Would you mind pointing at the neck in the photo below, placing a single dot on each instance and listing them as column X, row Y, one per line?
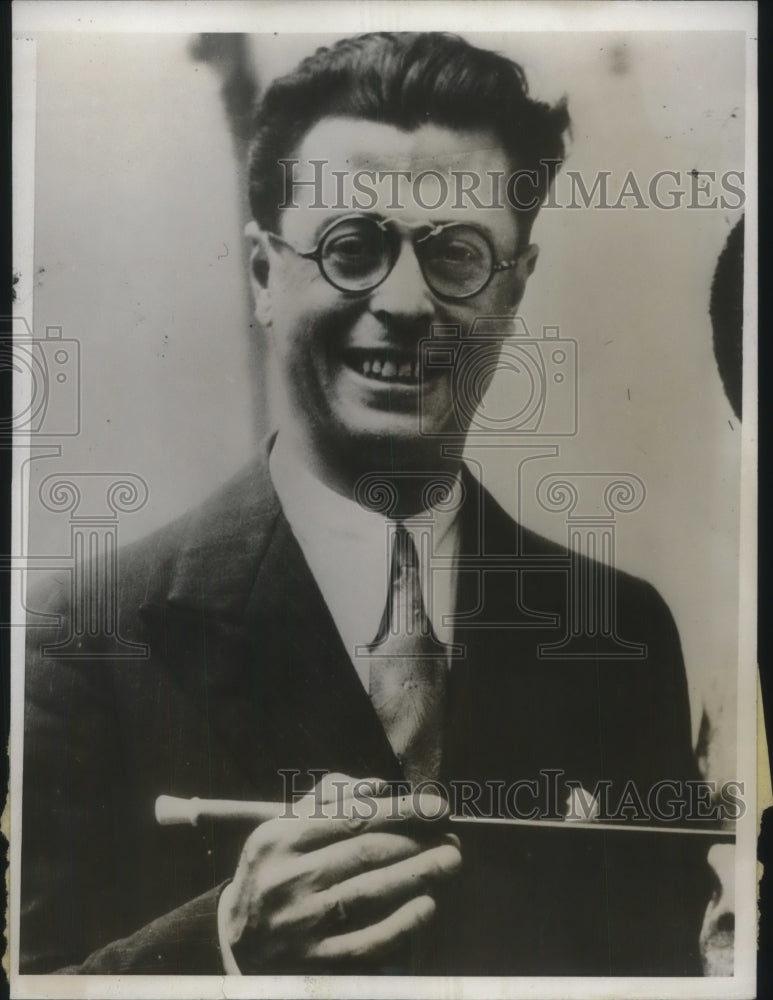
column 382, row 476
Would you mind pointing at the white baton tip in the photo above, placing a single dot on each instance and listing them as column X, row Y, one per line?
column 171, row 810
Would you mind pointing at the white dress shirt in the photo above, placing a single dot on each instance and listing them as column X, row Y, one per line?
column 348, row 550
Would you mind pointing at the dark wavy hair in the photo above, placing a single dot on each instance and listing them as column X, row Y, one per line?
column 406, row 80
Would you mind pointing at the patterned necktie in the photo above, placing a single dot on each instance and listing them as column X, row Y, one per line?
column 408, row 671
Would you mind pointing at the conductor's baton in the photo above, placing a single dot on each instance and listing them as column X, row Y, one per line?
column 173, row 811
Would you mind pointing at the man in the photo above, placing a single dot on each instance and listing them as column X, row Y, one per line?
column 356, row 606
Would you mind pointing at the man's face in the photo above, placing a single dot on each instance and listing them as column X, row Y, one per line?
column 348, row 361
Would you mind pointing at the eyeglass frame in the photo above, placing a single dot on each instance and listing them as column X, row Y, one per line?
column 315, row 253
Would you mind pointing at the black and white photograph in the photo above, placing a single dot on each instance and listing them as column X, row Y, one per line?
column 383, row 554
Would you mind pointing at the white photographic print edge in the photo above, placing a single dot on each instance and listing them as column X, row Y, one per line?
column 130, row 197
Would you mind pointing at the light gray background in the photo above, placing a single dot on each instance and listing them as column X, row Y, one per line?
column 138, row 255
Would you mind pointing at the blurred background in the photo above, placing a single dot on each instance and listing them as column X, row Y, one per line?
column 139, row 256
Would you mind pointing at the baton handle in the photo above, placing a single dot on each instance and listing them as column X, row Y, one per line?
column 171, row 811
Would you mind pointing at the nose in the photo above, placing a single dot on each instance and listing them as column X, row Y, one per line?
column 404, row 293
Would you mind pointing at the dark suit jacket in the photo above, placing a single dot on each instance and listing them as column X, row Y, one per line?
column 246, row 674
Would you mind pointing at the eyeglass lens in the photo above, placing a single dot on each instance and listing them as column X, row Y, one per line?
column 358, row 254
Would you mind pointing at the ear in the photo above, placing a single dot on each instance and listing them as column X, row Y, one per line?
column 259, row 270
column 528, row 261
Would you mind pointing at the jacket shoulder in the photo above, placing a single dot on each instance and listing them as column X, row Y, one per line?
column 216, row 537
column 637, row 599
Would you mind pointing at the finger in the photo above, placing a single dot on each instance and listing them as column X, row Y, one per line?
column 356, row 816
column 332, row 787
column 395, row 883
column 383, row 936
column 363, row 898
column 333, row 793
column 337, row 862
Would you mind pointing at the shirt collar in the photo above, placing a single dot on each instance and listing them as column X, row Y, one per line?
column 347, row 548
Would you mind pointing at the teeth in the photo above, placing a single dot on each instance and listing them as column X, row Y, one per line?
column 388, row 369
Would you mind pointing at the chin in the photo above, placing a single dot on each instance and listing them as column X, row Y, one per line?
column 392, row 448
column 361, row 424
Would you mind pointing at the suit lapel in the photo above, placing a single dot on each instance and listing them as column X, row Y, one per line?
column 514, row 714
column 243, row 627
column 327, row 719
column 502, row 703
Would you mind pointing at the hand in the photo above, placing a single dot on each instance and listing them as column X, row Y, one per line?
column 717, row 937
column 349, row 885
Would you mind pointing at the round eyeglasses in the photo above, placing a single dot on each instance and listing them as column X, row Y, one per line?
column 357, row 253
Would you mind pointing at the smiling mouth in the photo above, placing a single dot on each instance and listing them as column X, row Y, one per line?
column 385, row 366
